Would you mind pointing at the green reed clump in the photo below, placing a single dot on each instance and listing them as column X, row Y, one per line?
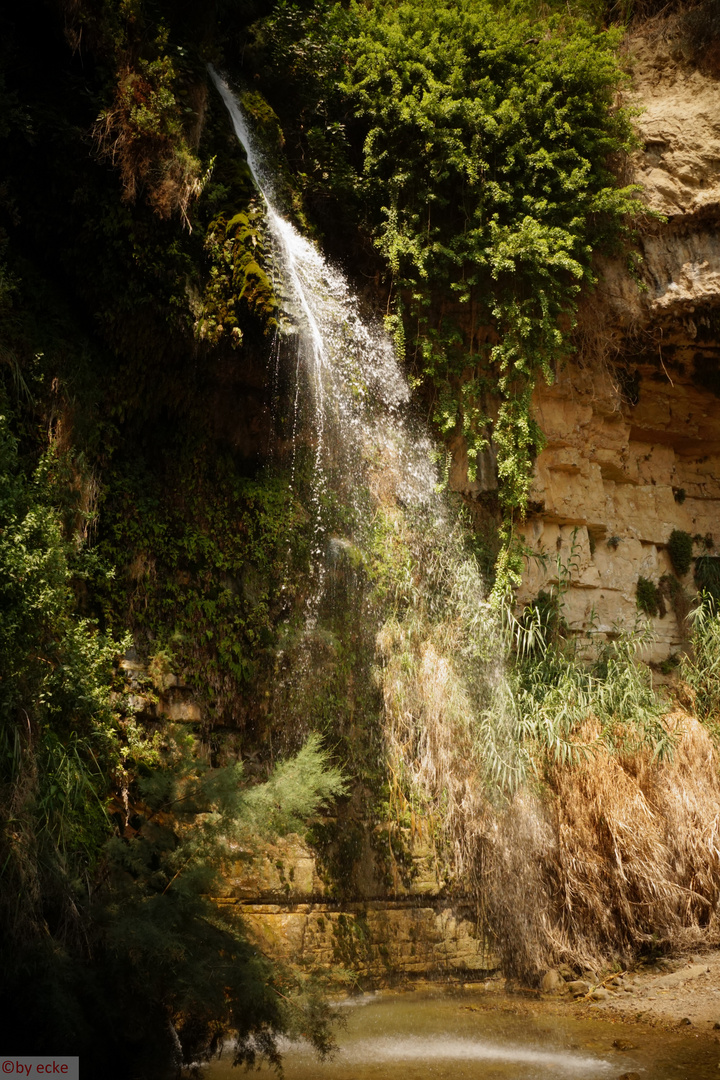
column 700, row 668
column 560, row 681
column 560, row 685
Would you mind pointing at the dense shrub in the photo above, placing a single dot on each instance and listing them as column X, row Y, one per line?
column 647, row 595
column 680, row 549
column 707, row 575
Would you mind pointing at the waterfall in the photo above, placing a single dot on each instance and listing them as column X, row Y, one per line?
column 453, row 736
column 446, row 725
column 365, row 448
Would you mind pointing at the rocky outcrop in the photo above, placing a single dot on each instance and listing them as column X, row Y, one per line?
column 383, row 933
column 381, row 940
column 633, row 423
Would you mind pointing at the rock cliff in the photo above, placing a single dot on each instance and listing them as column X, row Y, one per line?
column 633, row 423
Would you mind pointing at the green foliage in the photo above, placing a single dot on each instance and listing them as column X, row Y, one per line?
column 239, row 277
column 167, row 943
column 680, row 549
column 700, row 668
column 647, row 596
column 485, row 137
column 573, row 695
column 202, row 560
column 707, row 576
column 118, row 932
column 564, row 688
column 59, row 737
column 296, row 791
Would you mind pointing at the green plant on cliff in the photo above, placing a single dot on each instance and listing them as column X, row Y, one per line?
column 707, row 576
column 575, row 694
column 145, row 131
column 700, row 667
column 680, row 549
column 485, row 137
column 647, row 596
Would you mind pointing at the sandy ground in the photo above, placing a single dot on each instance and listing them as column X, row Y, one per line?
column 683, row 992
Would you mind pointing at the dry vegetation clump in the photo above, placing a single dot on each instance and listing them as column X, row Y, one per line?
column 689, row 30
column 622, row 854
column 144, row 133
column 701, row 32
column 582, row 820
column 429, row 743
column 451, row 733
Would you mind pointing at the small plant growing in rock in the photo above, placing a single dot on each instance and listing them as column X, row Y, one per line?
column 647, row 596
column 669, row 588
column 680, row 547
column 669, row 664
column 707, row 576
column 613, row 542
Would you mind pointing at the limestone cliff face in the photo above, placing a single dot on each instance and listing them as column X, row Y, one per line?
column 633, row 424
column 385, row 932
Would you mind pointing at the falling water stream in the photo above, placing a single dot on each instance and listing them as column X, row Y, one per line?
column 359, row 427
column 352, row 402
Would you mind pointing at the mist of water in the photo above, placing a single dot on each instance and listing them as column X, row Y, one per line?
column 449, row 1048
column 365, row 449
column 444, row 698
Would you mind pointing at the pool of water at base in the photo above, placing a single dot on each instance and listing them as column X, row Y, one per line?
column 473, row 1036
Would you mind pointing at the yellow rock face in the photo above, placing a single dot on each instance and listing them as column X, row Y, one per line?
column 633, row 422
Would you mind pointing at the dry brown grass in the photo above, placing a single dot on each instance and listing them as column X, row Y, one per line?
column 583, row 859
column 600, row 861
column 158, row 157
column 618, row 855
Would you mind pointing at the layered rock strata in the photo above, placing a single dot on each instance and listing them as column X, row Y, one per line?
column 383, row 933
column 633, row 423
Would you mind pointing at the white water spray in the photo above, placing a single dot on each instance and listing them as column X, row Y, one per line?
column 445, row 714
column 362, row 439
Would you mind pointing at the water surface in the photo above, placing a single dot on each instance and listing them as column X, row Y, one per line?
column 472, row 1036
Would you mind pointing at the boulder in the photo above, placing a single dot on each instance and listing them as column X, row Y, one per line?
column 552, row 982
